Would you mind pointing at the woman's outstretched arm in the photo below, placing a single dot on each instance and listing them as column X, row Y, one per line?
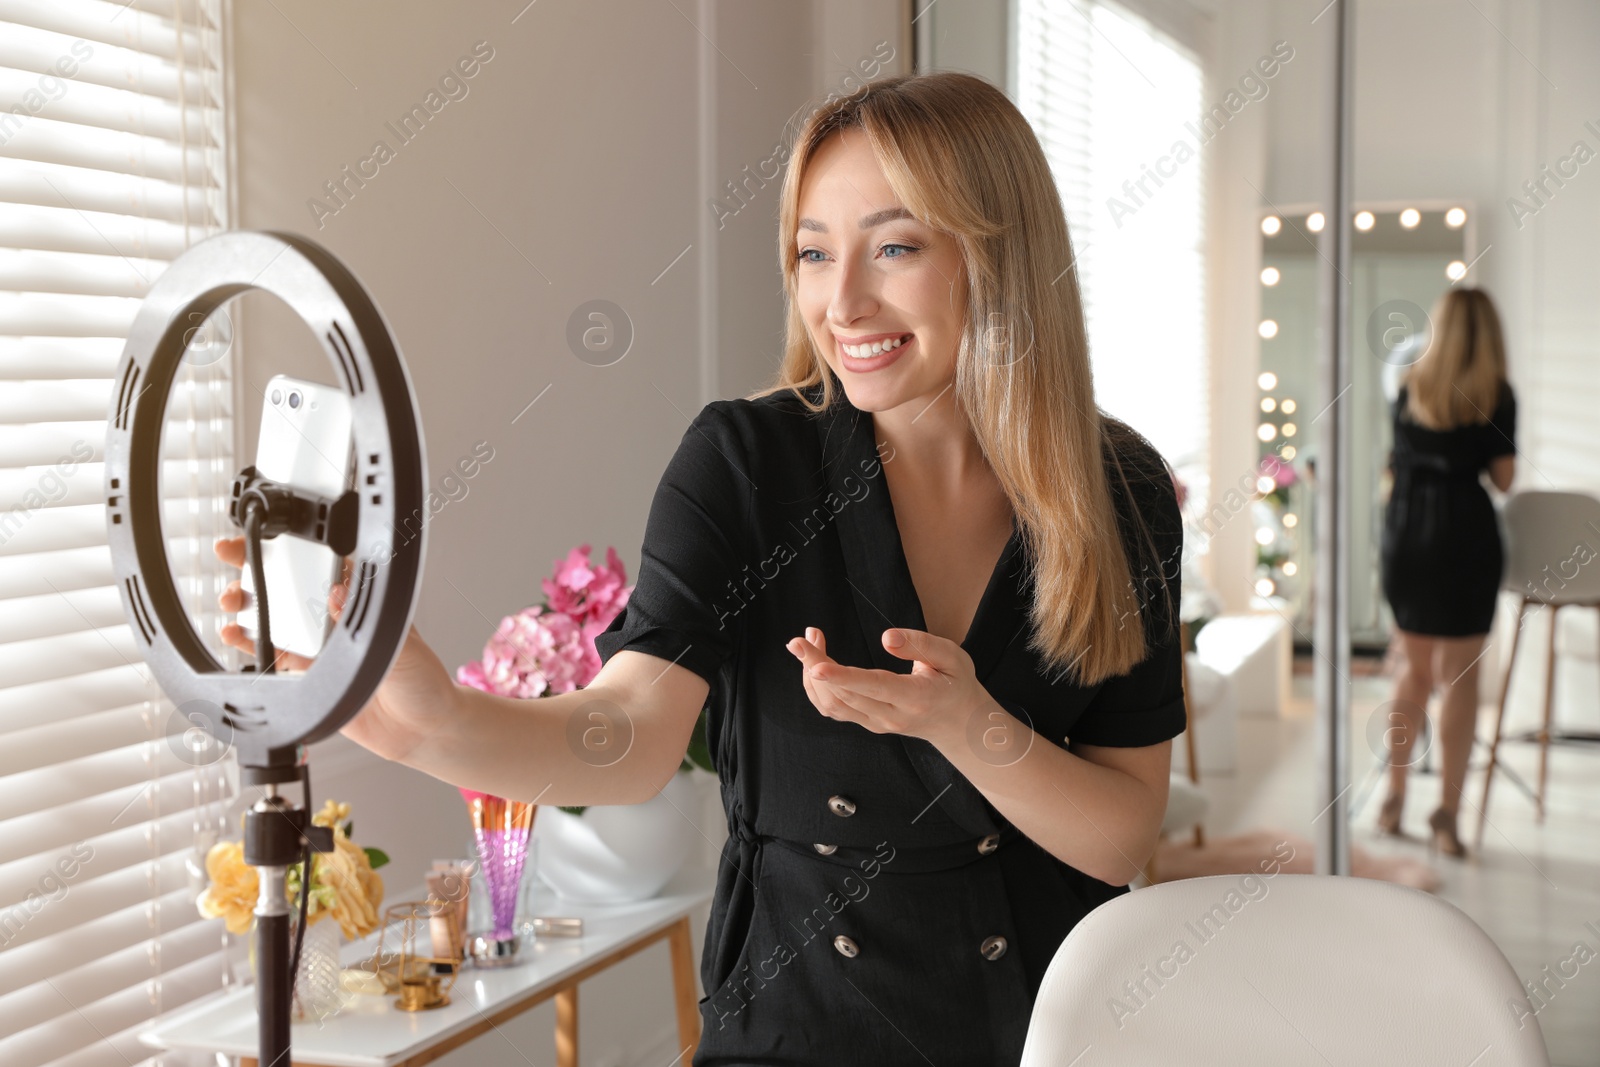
column 617, row 741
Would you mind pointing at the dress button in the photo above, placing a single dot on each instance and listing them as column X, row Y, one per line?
column 993, row 947
column 826, row 850
column 989, row 844
column 846, row 946
column 841, row 805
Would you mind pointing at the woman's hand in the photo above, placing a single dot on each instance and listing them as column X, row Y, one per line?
column 230, row 550
column 935, row 702
column 415, row 700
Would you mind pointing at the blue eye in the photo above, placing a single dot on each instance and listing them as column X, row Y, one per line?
column 804, row 252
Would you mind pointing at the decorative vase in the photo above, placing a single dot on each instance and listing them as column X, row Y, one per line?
column 501, row 829
column 317, row 991
column 617, row 854
column 316, row 983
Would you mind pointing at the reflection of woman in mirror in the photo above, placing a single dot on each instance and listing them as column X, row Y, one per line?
column 928, row 592
column 1454, row 417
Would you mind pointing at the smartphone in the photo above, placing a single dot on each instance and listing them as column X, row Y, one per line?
column 305, row 444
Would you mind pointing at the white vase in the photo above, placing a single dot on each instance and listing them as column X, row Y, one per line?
column 616, row 854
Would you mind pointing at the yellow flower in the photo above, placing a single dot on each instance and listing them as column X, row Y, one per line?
column 232, row 893
column 356, row 889
column 332, row 814
column 343, row 882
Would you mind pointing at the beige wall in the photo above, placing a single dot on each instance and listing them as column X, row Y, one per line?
column 578, row 166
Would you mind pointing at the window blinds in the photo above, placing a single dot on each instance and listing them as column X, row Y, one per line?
column 113, row 159
column 1110, row 95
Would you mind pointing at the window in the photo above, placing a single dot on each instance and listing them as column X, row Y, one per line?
column 113, row 159
column 1116, row 102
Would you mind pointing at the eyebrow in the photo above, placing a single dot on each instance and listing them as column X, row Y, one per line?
column 877, row 218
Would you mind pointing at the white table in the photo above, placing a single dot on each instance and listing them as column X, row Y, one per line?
column 372, row 1032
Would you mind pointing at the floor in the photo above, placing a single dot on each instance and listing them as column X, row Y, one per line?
column 1532, row 887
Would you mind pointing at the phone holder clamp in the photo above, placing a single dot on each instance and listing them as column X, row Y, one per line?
column 285, row 509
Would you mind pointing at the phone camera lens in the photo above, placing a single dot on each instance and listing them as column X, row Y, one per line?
column 277, row 396
column 294, row 400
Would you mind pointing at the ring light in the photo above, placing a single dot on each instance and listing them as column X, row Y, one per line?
column 268, row 715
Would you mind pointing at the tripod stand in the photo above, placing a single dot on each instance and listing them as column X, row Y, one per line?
column 276, row 835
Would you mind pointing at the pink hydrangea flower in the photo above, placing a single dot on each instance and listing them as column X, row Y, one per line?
column 549, row 648
column 585, row 591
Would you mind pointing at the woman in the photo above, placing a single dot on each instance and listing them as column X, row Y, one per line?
column 1454, row 417
column 921, row 800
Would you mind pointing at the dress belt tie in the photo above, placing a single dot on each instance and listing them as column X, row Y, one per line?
column 900, row 858
column 1431, row 466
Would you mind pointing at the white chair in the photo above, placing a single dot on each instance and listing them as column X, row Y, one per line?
column 1551, row 542
column 1287, row 969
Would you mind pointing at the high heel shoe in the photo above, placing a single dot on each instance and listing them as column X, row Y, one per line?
column 1444, row 839
column 1389, row 814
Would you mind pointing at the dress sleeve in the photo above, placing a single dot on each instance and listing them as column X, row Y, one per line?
column 1145, row 706
column 1501, row 435
column 694, row 541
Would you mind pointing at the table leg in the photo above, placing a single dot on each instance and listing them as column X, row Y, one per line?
column 683, row 985
column 567, row 1027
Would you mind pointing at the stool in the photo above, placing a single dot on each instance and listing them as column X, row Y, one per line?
column 1552, row 553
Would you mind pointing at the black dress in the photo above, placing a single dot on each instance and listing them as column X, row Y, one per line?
column 1441, row 553
column 871, row 906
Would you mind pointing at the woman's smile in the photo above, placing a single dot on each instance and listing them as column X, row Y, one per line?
column 872, row 356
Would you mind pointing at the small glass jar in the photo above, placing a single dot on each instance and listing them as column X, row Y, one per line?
column 317, row 994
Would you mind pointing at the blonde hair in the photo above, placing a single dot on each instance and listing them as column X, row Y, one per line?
column 962, row 159
column 1457, row 380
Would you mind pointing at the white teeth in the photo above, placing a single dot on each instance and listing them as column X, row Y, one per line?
column 873, row 349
